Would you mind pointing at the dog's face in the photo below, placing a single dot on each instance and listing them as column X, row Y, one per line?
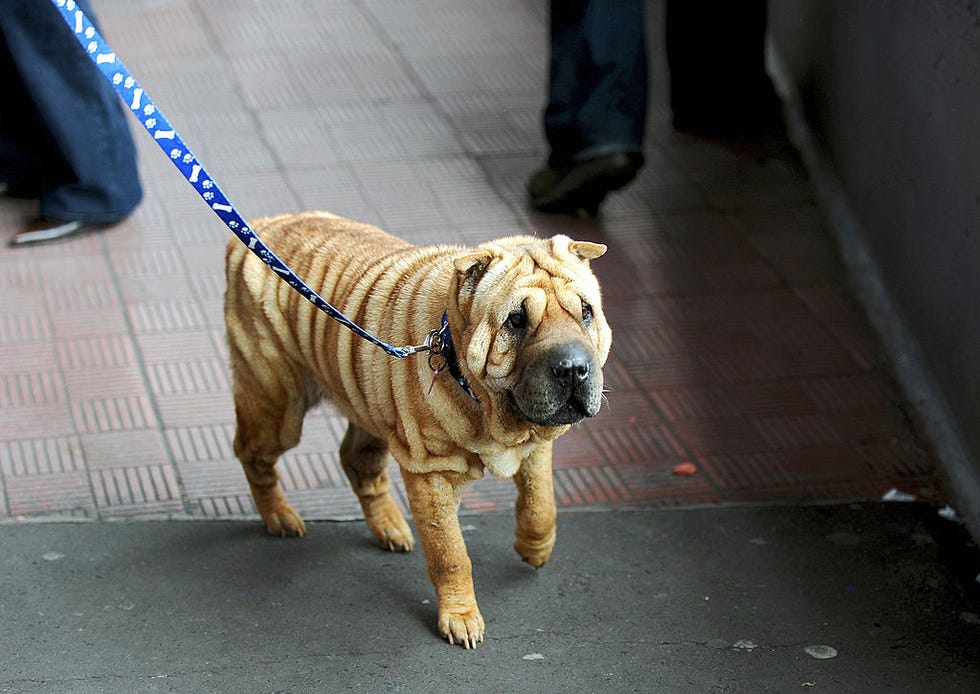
column 537, row 337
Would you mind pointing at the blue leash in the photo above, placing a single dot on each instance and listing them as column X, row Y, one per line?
column 139, row 102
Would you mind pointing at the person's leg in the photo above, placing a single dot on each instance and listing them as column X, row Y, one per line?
column 91, row 174
column 716, row 58
column 597, row 104
column 26, row 148
column 597, row 91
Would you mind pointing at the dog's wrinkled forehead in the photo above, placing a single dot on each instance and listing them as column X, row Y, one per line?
column 525, row 262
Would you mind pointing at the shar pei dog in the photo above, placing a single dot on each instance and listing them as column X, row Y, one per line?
column 521, row 344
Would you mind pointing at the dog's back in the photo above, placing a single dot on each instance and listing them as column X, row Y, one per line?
column 362, row 271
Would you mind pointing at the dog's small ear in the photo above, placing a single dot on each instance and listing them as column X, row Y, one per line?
column 471, row 268
column 586, row 250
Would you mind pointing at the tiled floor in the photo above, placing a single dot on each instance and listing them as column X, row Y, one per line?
column 736, row 345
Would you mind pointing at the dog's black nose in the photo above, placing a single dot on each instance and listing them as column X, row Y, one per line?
column 573, row 367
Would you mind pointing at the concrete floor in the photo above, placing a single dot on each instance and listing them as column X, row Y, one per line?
column 733, row 599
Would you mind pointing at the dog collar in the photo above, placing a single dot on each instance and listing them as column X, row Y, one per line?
column 442, row 357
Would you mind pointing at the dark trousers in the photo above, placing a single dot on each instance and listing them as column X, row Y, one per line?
column 597, row 91
column 64, row 137
column 716, row 58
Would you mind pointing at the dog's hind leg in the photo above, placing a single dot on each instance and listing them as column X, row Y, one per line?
column 364, row 459
column 268, row 426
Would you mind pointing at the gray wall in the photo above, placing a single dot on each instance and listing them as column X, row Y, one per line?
column 891, row 90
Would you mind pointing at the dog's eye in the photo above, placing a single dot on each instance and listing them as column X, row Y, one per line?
column 517, row 320
column 586, row 313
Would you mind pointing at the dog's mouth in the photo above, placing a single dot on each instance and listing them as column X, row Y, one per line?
column 560, row 386
column 572, row 411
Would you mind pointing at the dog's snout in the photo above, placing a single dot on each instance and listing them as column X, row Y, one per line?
column 562, row 386
column 572, row 367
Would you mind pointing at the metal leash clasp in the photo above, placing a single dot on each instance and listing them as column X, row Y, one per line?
column 439, row 344
column 436, row 344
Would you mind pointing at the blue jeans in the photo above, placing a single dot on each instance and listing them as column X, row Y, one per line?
column 597, row 92
column 64, row 137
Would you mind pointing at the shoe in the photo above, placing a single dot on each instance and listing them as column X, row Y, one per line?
column 580, row 187
column 44, row 229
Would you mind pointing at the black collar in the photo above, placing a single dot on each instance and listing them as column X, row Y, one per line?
column 442, row 354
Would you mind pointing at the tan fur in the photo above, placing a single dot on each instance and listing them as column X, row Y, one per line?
column 286, row 355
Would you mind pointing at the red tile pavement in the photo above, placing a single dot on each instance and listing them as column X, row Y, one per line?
column 737, row 347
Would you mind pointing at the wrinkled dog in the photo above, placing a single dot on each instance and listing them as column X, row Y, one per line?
column 523, row 359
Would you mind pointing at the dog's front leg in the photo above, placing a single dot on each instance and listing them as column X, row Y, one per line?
column 434, row 498
column 535, row 507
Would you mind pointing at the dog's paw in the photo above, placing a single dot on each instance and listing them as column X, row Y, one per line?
column 535, row 552
column 397, row 539
column 389, row 526
column 463, row 627
column 284, row 522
